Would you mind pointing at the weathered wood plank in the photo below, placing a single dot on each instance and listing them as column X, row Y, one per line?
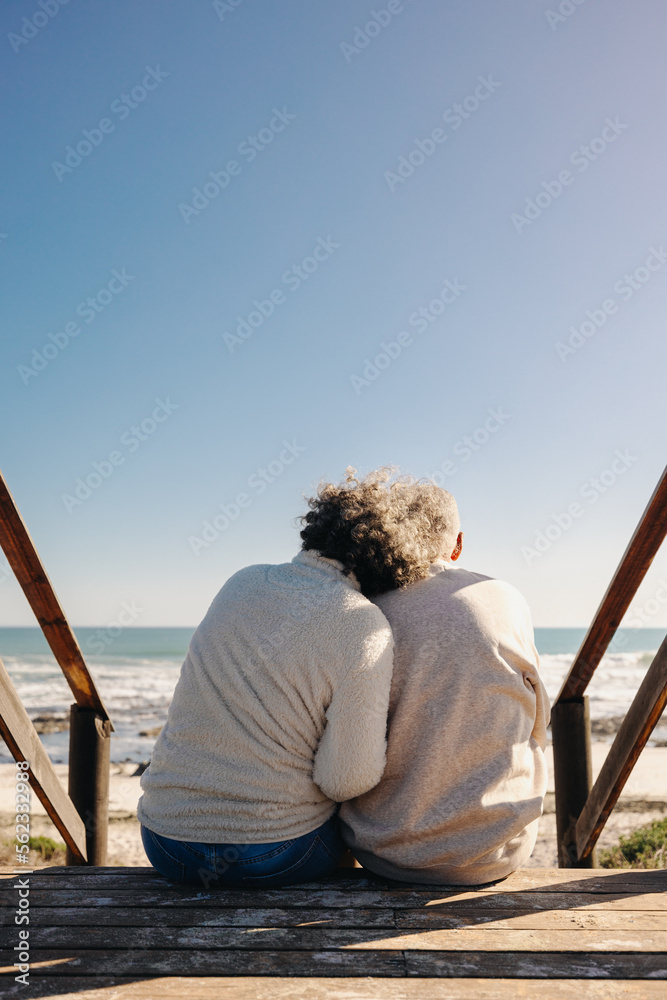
column 315, row 938
column 588, row 919
column 431, row 918
column 485, row 939
column 522, row 878
column 642, row 548
column 20, row 736
column 348, row 988
column 174, row 916
column 350, row 963
column 526, row 901
column 538, row 966
column 22, row 556
column 75, row 962
column 643, row 715
column 528, row 880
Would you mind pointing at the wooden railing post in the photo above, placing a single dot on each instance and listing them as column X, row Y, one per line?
column 635, row 730
column 573, row 775
column 90, row 725
column 89, row 746
column 24, row 744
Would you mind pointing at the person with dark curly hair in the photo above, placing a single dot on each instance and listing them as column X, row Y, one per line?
column 280, row 711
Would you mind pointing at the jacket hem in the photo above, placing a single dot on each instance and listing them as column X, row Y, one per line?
column 216, row 833
column 438, row 874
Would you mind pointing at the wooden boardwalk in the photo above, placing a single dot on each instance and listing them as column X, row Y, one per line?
column 127, row 933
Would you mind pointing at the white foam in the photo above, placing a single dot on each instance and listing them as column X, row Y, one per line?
column 137, row 692
column 614, row 683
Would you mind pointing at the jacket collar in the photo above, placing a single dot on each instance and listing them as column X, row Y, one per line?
column 332, row 567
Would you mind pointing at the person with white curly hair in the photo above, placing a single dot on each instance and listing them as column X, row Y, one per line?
column 464, row 784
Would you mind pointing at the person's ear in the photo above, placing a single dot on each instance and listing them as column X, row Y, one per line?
column 459, row 546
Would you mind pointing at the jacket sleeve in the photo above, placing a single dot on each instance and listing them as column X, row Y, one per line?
column 542, row 706
column 351, row 755
column 542, row 715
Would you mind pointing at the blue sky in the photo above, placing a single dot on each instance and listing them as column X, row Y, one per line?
column 319, row 108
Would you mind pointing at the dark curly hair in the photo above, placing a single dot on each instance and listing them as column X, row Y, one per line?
column 384, row 529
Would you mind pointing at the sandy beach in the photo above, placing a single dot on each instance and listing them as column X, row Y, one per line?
column 644, row 799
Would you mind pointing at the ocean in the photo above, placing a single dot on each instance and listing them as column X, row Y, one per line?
column 136, row 672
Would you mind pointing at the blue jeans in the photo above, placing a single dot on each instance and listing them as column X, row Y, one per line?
column 302, row 859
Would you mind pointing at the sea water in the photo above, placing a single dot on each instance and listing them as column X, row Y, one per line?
column 137, row 672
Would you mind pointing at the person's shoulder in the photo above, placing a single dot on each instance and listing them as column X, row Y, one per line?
column 461, row 575
column 359, row 633
column 239, row 587
column 441, row 576
column 498, row 602
column 311, row 578
column 501, row 602
column 501, row 589
column 302, row 585
column 362, row 611
column 247, row 577
column 347, row 609
column 446, row 580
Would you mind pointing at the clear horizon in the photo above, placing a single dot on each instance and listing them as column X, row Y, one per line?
column 245, row 246
column 127, row 645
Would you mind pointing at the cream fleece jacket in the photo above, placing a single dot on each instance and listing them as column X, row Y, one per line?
column 465, row 778
column 279, row 712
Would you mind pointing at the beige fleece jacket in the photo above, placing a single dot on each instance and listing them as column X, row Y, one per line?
column 279, row 712
column 465, row 779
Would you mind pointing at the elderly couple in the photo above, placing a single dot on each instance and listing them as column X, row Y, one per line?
column 368, row 695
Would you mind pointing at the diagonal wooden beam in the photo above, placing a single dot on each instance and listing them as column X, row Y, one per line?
column 631, row 738
column 27, row 566
column 19, row 734
column 638, row 556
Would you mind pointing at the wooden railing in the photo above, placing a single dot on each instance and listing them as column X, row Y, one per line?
column 82, row 815
column 582, row 808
